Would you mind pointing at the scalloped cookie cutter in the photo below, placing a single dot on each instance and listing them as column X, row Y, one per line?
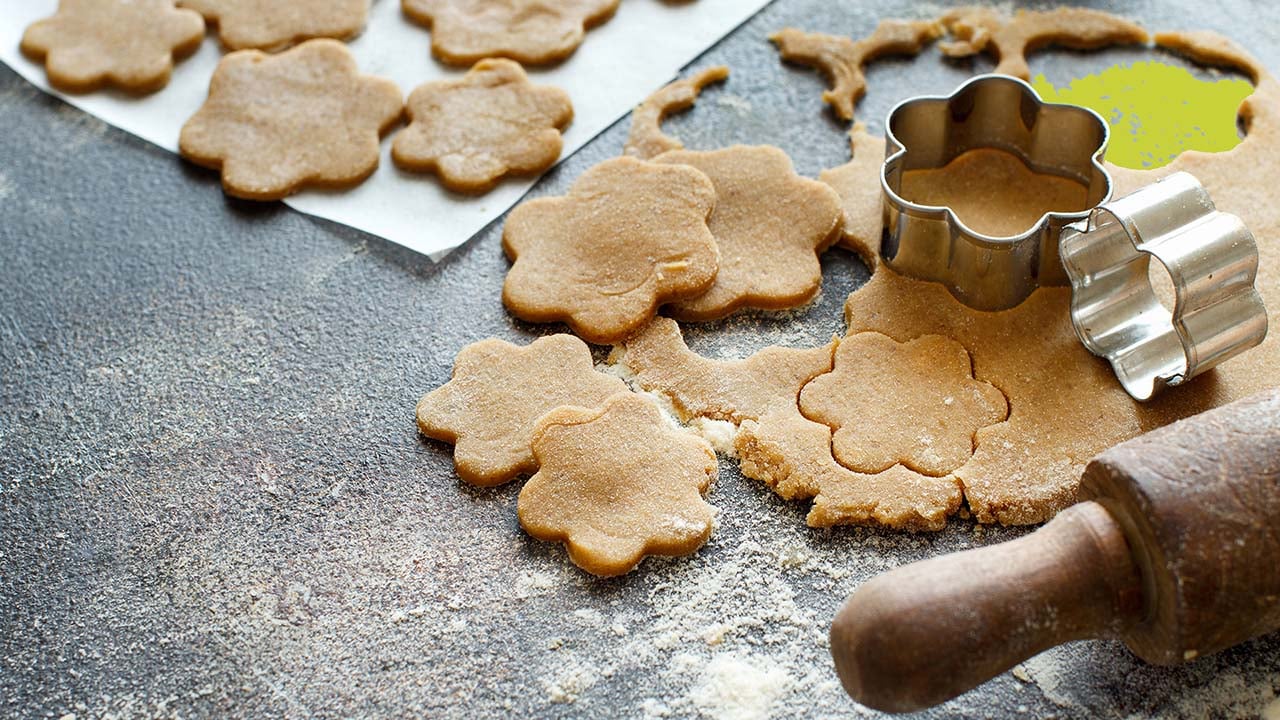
column 1103, row 252
column 931, row 242
column 1210, row 256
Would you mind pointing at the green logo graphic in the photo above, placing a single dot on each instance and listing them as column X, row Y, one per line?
column 1156, row 111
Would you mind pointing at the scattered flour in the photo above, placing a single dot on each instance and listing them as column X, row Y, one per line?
column 736, row 103
column 654, row 709
column 1048, row 674
column 532, row 584
column 739, row 688
column 575, row 678
column 720, row 433
column 590, row 616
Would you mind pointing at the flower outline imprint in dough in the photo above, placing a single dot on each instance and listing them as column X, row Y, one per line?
column 915, row 403
column 533, row 32
column 253, row 24
column 490, row 123
column 273, row 124
column 618, row 483
column 497, row 393
column 629, row 236
column 128, row 44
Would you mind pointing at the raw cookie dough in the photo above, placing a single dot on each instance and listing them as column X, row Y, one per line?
column 274, row 124
column 792, row 455
column 842, row 59
column 914, row 404
column 857, row 182
column 128, row 44
column 982, row 29
column 616, row 484
column 278, row 24
column 498, row 392
column 646, row 139
column 487, row 124
column 994, row 192
column 770, row 225
column 732, row 390
column 774, row 442
column 630, row 236
column 534, row 32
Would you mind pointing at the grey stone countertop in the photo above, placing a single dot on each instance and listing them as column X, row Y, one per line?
column 214, row 501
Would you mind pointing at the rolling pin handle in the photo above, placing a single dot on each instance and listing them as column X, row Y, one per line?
column 926, row 632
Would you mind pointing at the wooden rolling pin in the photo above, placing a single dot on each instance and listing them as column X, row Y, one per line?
column 1175, row 551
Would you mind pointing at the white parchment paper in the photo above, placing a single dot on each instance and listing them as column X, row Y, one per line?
column 621, row 62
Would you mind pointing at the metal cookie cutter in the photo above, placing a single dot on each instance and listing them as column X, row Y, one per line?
column 990, row 111
column 1210, row 256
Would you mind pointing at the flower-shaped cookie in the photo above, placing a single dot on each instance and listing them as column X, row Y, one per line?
column 129, row 44
column 630, row 236
column 616, row 484
column 276, row 123
column 914, row 403
column 490, row 123
column 770, row 225
column 535, row 32
column 245, row 24
column 498, row 392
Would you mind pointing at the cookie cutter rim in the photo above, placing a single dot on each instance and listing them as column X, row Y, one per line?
column 1211, row 258
column 983, row 271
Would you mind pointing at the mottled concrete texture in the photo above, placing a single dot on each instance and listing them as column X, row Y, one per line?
column 214, row 503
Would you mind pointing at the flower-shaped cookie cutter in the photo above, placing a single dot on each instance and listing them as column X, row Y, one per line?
column 999, row 112
column 1211, row 259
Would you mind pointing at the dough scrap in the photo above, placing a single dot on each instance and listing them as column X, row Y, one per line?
column 913, row 403
column 270, row 26
column 616, row 484
column 498, row 392
column 994, row 192
column 475, row 130
column 842, row 59
column 857, row 182
column 770, row 225
column 732, row 390
column 274, row 124
column 533, row 32
column 646, row 139
column 629, row 236
column 982, row 29
column 128, row 44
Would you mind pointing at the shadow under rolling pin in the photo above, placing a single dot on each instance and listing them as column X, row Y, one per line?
column 1175, row 551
